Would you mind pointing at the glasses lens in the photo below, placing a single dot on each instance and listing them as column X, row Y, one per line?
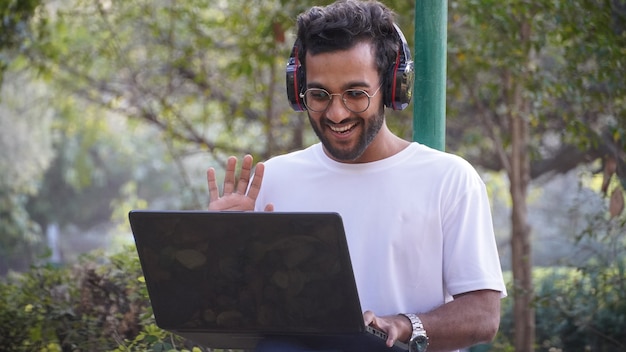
column 316, row 99
column 356, row 100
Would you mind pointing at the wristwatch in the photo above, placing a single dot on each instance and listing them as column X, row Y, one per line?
column 419, row 340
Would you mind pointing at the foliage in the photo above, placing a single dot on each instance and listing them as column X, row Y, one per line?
column 25, row 143
column 582, row 306
column 85, row 308
column 577, row 309
column 565, row 57
column 194, row 69
column 100, row 304
column 535, row 83
column 60, row 151
column 15, row 29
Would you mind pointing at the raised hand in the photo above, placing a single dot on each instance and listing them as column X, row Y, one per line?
column 240, row 195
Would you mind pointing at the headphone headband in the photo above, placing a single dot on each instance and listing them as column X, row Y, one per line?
column 398, row 81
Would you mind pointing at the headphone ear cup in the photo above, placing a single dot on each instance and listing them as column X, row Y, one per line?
column 295, row 79
column 400, row 78
column 402, row 85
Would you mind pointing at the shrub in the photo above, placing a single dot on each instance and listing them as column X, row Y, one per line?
column 101, row 304
column 93, row 306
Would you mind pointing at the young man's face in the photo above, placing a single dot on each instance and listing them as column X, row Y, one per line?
column 345, row 134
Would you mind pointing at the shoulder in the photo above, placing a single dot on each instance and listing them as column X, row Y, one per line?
column 437, row 156
column 440, row 164
column 299, row 157
column 296, row 165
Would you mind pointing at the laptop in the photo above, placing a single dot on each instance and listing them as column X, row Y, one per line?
column 231, row 279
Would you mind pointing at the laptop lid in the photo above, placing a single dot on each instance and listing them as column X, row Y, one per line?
column 230, row 279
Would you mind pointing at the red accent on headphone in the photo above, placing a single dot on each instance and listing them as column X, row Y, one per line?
column 298, row 100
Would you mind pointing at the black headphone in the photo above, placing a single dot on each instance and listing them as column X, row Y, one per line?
column 398, row 89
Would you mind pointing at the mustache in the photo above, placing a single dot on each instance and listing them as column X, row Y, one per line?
column 348, row 120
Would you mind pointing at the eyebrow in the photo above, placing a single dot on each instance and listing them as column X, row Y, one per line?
column 348, row 85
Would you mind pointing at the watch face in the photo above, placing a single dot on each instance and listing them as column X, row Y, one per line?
column 418, row 343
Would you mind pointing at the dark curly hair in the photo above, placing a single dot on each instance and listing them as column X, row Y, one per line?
column 343, row 24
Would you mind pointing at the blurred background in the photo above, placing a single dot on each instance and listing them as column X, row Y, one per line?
column 108, row 106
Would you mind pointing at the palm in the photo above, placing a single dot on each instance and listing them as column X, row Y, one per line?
column 233, row 202
column 238, row 195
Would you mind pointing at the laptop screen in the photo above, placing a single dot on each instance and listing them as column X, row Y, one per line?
column 274, row 273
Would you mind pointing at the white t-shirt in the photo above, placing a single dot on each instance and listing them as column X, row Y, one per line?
column 418, row 223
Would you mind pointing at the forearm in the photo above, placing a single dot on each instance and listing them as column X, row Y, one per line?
column 469, row 319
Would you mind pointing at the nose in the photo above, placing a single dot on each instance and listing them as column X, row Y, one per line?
column 337, row 111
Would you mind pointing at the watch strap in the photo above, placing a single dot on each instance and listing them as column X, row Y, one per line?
column 418, row 328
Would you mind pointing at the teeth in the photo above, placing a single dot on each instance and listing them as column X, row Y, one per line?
column 341, row 129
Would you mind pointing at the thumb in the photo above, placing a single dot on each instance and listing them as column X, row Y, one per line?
column 368, row 317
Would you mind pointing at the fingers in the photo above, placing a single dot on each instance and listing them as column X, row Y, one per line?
column 244, row 176
column 257, row 180
column 246, row 186
column 368, row 317
column 212, row 182
column 392, row 335
column 385, row 324
column 229, row 177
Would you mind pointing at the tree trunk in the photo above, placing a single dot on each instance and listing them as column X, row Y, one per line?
column 523, row 291
column 521, row 251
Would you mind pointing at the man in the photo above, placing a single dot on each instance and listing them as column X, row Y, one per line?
column 417, row 220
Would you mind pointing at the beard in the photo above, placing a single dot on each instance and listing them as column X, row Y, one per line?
column 372, row 125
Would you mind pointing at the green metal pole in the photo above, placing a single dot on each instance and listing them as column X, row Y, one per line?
column 429, row 92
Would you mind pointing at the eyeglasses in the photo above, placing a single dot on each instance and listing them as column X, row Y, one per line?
column 355, row 100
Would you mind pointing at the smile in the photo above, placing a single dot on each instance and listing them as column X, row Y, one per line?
column 342, row 129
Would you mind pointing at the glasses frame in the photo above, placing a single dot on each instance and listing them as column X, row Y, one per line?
column 343, row 100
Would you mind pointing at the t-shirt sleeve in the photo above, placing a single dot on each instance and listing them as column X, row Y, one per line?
column 471, row 260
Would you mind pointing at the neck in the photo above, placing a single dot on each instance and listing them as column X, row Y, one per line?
column 384, row 145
